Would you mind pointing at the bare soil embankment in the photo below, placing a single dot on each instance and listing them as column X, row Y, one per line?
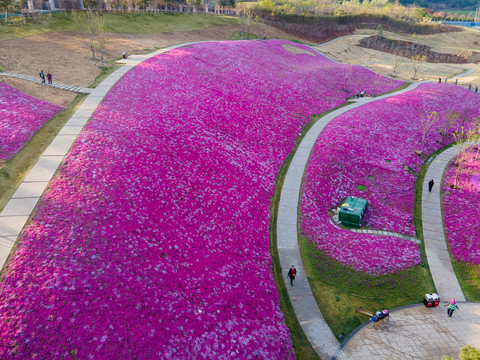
column 465, row 44
column 68, row 58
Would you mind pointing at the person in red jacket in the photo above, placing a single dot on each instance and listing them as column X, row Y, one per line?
column 291, row 274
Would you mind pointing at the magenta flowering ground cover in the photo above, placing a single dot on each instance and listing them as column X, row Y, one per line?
column 372, row 148
column 460, row 208
column 153, row 239
column 21, row 116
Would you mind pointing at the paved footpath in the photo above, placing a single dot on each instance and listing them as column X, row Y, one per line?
column 57, row 85
column 17, row 211
column 415, row 324
column 308, row 313
column 415, row 333
column 433, row 233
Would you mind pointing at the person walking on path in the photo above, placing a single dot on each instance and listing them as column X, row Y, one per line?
column 452, row 307
column 49, row 78
column 291, row 274
column 430, row 185
column 42, row 76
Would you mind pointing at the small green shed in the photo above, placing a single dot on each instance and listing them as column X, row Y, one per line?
column 352, row 211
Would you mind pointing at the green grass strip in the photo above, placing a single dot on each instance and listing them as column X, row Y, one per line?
column 131, row 23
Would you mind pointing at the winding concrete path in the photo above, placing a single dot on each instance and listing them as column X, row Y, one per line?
column 17, row 212
column 304, row 304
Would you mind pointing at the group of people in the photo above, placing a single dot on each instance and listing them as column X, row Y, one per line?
column 456, row 83
column 48, row 77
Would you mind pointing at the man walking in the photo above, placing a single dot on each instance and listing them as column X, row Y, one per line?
column 430, row 185
column 291, row 274
column 42, row 76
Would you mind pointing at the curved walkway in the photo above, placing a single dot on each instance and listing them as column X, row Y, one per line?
column 308, row 313
column 377, row 232
column 17, row 211
column 57, row 85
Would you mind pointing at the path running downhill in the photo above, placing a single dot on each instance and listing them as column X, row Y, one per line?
column 17, row 211
column 433, row 232
column 77, row 89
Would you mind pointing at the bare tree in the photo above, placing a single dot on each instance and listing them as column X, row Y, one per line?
column 396, row 62
column 101, row 39
column 427, row 121
column 347, row 72
column 462, row 143
column 87, row 25
column 475, row 134
column 376, row 80
column 450, row 119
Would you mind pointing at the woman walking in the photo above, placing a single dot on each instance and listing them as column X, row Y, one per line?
column 452, row 307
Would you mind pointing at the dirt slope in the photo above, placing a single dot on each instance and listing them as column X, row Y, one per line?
column 68, row 57
column 346, row 50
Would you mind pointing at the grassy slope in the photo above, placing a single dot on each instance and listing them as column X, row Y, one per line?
column 135, row 23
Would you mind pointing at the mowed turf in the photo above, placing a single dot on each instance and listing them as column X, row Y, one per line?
column 133, row 23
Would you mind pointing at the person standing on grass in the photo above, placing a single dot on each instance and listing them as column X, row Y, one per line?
column 452, row 307
column 291, row 274
column 42, row 76
column 49, row 78
column 430, row 185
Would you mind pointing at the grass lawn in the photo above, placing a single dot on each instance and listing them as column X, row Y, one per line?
column 468, row 276
column 339, row 290
column 133, row 23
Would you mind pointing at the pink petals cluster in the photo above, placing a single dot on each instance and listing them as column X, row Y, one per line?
column 460, row 208
column 153, row 239
column 373, row 146
column 20, row 117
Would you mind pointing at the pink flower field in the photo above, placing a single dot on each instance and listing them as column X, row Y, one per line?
column 369, row 146
column 153, row 239
column 460, row 209
column 20, row 117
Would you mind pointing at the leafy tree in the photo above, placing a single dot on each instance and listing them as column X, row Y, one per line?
column 467, row 353
column 6, row 5
column 379, row 30
column 417, row 62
